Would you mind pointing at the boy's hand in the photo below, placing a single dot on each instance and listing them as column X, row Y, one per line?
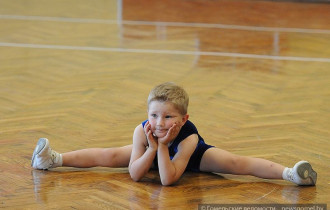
column 152, row 140
column 171, row 134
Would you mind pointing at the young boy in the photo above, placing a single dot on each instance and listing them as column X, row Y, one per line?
column 169, row 142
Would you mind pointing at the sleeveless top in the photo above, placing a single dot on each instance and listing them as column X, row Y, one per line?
column 187, row 129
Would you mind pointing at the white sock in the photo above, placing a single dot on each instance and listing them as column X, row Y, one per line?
column 285, row 174
column 58, row 161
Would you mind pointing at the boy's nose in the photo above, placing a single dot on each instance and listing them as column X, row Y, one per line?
column 160, row 122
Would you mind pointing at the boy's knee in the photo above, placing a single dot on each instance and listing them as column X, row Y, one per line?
column 235, row 161
column 109, row 155
column 238, row 164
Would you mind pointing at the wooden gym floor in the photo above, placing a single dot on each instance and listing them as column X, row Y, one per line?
column 79, row 72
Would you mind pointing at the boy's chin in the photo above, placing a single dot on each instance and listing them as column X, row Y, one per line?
column 159, row 135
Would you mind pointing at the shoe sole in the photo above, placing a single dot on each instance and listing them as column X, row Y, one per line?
column 40, row 146
column 305, row 170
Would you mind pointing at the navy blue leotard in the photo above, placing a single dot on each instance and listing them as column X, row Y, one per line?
column 187, row 129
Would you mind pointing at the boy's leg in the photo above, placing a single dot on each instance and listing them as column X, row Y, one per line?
column 44, row 157
column 221, row 161
column 107, row 157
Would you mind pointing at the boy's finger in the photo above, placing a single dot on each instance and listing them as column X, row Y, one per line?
column 147, row 128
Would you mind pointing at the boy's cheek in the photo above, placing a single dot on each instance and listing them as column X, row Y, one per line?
column 153, row 128
column 152, row 124
column 179, row 123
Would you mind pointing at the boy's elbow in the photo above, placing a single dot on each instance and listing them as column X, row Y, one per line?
column 167, row 182
column 134, row 176
column 169, row 178
column 135, row 179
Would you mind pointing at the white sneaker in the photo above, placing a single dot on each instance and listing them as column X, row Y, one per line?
column 302, row 174
column 44, row 157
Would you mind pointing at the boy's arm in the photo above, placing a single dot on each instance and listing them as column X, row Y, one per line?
column 141, row 158
column 171, row 170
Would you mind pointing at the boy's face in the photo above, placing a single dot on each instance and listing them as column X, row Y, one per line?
column 162, row 116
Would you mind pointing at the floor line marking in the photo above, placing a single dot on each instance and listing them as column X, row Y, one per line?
column 173, row 52
column 174, row 24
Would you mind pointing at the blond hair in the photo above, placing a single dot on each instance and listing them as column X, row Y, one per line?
column 170, row 92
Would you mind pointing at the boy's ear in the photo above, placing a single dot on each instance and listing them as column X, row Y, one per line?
column 185, row 118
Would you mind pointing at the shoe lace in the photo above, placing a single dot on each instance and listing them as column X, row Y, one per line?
column 291, row 175
column 53, row 157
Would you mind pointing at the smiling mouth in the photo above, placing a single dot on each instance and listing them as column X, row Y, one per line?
column 161, row 130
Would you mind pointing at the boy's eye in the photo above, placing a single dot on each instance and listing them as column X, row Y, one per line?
column 168, row 116
column 153, row 115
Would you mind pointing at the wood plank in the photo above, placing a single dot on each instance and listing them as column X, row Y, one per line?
column 89, row 93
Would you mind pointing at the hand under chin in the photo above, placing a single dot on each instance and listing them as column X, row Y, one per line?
column 159, row 135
